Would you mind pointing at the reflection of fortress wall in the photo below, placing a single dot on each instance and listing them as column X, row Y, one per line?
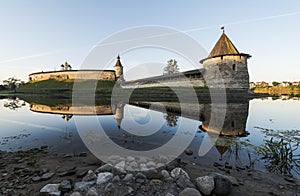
column 66, row 110
column 235, row 119
column 191, row 111
column 74, row 74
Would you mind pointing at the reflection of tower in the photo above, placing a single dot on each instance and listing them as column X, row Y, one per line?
column 67, row 117
column 235, row 119
column 119, row 70
column 234, row 125
column 221, row 149
column 119, row 113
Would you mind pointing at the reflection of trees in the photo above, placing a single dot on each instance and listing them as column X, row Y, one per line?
column 171, row 119
column 14, row 103
column 279, row 156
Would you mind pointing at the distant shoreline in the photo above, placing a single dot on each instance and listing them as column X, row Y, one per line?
column 278, row 90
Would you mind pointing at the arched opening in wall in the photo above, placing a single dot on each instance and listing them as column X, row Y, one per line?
column 232, row 124
column 233, row 67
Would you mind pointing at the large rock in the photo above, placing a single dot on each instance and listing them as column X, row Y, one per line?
column 223, row 184
column 105, row 168
column 50, row 189
column 184, row 182
column 104, row 177
column 121, row 166
column 128, row 177
column 90, row 176
column 140, row 175
column 177, row 172
column 65, row 186
column 76, row 193
column 205, row 184
column 151, row 164
column 116, row 178
column 130, row 159
column 153, row 174
column 134, row 164
column 165, row 174
column 143, row 167
column 190, row 192
column 83, row 186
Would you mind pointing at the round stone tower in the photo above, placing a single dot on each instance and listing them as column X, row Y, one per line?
column 232, row 66
column 119, row 70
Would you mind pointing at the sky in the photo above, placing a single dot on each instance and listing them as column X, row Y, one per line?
column 40, row 35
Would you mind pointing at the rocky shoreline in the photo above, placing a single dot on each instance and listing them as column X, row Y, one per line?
column 35, row 172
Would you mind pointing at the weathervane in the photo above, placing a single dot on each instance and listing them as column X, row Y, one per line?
column 223, row 29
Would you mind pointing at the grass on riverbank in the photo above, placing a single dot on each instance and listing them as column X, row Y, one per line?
column 63, row 87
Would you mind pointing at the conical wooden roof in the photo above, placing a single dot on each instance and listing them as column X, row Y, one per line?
column 118, row 62
column 223, row 47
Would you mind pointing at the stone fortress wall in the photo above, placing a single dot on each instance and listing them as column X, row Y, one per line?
column 224, row 67
column 74, row 74
column 183, row 79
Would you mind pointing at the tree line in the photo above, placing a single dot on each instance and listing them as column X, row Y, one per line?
column 11, row 84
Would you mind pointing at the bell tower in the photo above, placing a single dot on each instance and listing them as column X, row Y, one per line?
column 119, row 70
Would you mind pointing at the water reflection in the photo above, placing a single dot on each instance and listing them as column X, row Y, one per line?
column 131, row 126
column 235, row 119
column 14, row 103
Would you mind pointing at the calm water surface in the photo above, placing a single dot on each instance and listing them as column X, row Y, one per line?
column 247, row 127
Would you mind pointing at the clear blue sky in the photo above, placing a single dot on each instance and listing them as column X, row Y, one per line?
column 40, row 35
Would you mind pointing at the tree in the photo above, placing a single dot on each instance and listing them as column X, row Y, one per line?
column 2, row 87
column 12, row 83
column 275, row 83
column 171, row 67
